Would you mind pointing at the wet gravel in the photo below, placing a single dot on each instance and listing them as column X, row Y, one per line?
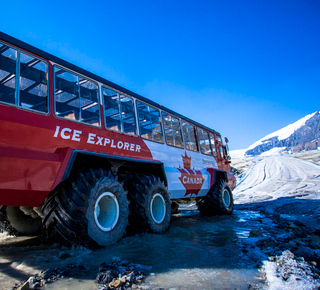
column 228, row 252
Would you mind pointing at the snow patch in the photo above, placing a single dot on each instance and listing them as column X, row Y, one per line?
column 287, row 272
column 273, row 151
column 237, row 154
column 277, row 176
column 285, row 132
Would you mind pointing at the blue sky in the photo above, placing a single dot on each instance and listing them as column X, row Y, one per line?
column 243, row 68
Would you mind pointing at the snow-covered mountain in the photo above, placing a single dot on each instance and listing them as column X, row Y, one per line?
column 304, row 134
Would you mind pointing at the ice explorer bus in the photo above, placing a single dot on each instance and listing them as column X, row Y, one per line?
column 84, row 160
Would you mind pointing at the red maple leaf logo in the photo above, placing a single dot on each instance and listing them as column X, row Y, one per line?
column 192, row 180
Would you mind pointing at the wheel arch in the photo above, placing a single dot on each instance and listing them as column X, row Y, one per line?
column 121, row 166
column 217, row 174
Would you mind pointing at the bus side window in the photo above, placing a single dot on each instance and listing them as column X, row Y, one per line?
column 33, row 83
column 221, row 151
column 89, row 102
column 23, row 80
column 156, row 125
column 8, row 71
column 67, row 104
column 213, row 146
column 204, row 142
column 119, row 112
column 189, row 133
column 128, row 118
column 76, row 98
column 144, row 121
column 149, row 123
column 172, row 130
column 111, row 109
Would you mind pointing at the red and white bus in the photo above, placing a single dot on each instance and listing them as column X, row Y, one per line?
column 84, row 159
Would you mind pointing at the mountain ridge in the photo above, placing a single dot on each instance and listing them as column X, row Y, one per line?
column 301, row 135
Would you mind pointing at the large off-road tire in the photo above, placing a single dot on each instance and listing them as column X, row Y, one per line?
column 218, row 201
column 4, row 224
column 150, row 206
column 89, row 209
column 15, row 222
column 22, row 224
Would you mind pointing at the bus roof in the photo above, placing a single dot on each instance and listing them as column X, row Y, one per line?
column 43, row 54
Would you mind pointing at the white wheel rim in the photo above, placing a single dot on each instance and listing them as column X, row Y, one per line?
column 158, row 208
column 226, row 198
column 106, row 211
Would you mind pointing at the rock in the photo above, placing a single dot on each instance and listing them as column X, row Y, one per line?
column 293, row 226
column 81, row 267
column 66, row 272
column 255, row 233
column 313, row 263
column 121, row 274
column 285, row 238
column 106, row 277
column 266, row 221
column 266, row 243
column 64, row 256
column 269, row 251
column 32, row 279
column 24, row 286
column 34, row 282
column 300, row 224
column 244, row 250
column 272, row 259
column 314, row 242
column 297, row 231
column 116, row 283
column 130, row 278
column 141, row 277
column 269, row 211
column 46, row 274
column 305, row 252
column 115, row 260
column 293, row 243
column 315, row 239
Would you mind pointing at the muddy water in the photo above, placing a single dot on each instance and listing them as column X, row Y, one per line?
column 196, row 253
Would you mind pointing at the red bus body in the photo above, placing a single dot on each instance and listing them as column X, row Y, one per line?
column 37, row 149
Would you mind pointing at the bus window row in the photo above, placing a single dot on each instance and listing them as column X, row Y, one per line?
column 24, row 83
column 23, row 80
column 77, row 99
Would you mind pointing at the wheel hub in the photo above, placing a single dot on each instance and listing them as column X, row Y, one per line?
column 226, row 198
column 106, row 211
column 158, row 208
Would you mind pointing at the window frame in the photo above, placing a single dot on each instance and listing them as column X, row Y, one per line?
column 214, row 144
column 134, row 110
column 206, row 131
column 195, row 135
column 179, row 119
column 160, row 117
column 81, row 76
column 17, row 84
